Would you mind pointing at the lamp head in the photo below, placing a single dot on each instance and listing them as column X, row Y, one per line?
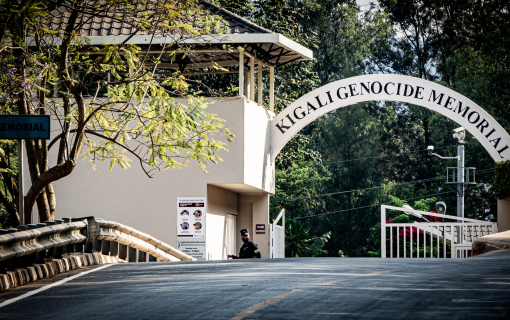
column 417, row 215
column 430, row 149
column 441, row 207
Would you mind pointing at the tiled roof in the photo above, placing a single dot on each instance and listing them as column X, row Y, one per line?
column 105, row 25
column 271, row 48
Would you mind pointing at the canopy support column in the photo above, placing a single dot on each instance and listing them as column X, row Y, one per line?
column 271, row 89
column 247, row 84
column 260, row 68
column 241, row 73
column 252, row 78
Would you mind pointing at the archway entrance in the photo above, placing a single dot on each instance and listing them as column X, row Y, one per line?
column 389, row 87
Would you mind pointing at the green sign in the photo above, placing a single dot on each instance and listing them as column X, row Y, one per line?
column 28, row 127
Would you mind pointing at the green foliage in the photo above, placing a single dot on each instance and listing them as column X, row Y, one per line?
column 376, row 144
column 502, row 180
column 483, row 76
column 296, row 151
column 299, row 243
column 296, row 187
column 138, row 118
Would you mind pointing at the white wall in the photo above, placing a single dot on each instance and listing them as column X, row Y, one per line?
column 258, row 171
column 149, row 204
column 503, row 215
column 253, row 210
column 221, row 230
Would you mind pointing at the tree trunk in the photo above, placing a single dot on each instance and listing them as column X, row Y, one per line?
column 33, row 165
column 43, row 159
column 41, row 176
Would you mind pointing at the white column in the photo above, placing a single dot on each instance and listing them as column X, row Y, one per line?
column 271, row 89
column 252, row 78
column 383, row 232
column 241, row 73
column 259, row 81
column 247, row 84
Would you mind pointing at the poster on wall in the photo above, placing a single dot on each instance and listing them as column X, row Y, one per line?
column 192, row 247
column 191, row 217
column 191, row 227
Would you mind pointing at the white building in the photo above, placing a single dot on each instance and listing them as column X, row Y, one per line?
column 237, row 190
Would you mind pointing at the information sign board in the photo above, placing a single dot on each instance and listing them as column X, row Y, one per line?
column 194, row 247
column 191, row 227
column 28, row 127
column 191, row 217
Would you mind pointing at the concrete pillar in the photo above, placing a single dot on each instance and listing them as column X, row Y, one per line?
column 503, row 215
column 131, row 254
column 142, row 256
column 123, row 251
column 105, row 247
column 114, row 248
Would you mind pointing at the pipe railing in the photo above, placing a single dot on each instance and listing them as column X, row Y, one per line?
column 57, row 237
column 114, row 231
column 42, row 250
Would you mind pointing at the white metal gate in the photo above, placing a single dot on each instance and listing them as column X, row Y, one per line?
column 431, row 240
column 277, row 237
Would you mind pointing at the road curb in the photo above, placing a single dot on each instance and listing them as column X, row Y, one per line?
column 22, row 276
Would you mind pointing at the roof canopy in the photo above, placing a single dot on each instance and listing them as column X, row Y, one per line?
column 272, row 49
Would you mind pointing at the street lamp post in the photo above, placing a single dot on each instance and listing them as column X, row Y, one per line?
column 460, row 181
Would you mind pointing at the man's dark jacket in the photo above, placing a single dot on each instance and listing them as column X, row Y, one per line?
column 248, row 250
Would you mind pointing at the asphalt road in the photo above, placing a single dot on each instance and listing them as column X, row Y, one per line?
column 304, row 288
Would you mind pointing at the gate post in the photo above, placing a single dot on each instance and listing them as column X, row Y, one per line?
column 383, row 231
column 271, row 240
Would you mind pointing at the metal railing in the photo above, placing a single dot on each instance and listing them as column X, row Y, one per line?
column 431, row 240
column 33, row 252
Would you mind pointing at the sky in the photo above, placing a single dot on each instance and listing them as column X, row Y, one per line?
column 363, row 2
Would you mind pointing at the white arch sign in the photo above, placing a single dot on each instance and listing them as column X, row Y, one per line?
column 390, row 87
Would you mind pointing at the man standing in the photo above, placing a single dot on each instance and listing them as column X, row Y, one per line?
column 248, row 250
